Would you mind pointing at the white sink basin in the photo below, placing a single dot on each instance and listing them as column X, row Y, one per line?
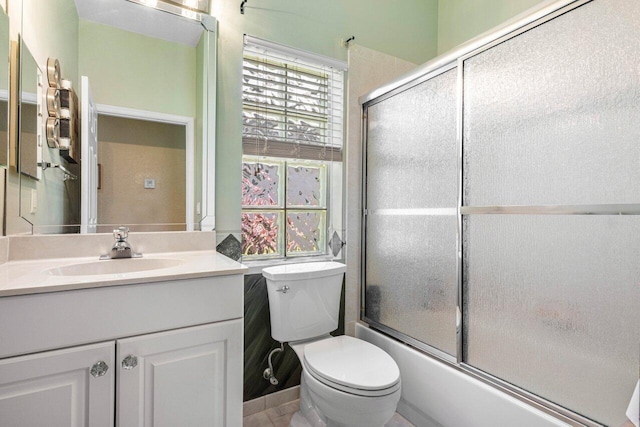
column 114, row 266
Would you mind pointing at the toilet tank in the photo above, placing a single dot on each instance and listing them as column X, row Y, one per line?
column 304, row 299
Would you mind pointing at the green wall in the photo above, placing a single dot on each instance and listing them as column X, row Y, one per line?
column 461, row 20
column 130, row 70
column 403, row 28
column 43, row 38
column 46, row 38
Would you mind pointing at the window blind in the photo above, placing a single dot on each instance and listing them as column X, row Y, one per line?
column 292, row 102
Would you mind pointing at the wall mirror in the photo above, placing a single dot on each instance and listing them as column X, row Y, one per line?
column 4, row 87
column 49, row 185
column 31, row 117
column 149, row 96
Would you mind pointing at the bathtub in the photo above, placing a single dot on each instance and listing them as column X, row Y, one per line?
column 435, row 394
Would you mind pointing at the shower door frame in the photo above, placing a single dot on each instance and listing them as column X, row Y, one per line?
column 437, row 71
column 446, row 62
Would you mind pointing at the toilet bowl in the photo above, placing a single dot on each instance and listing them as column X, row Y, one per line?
column 345, row 381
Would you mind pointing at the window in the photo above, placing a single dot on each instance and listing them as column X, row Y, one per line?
column 280, row 195
column 292, row 143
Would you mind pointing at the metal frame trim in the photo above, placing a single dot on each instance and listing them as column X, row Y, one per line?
column 614, row 209
column 414, row 212
column 433, row 351
column 423, row 78
column 363, row 217
column 460, row 137
column 525, row 25
column 538, row 402
column 535, row 15
column 541, row 404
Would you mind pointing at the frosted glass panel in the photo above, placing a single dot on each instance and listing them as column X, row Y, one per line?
column 305, row 185
column 411, row 276
column 551, row 116
column 261, row 233
column 552, row 305
column 260, row 184
column 305, row 232
column 412, row 187
column 412, row 156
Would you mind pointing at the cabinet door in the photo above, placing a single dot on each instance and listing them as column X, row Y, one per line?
column 185, row 377
column 65, row 388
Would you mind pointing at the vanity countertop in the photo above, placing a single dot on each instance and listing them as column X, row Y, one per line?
column 39, row 276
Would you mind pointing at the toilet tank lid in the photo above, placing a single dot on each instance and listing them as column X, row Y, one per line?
column 306, row 270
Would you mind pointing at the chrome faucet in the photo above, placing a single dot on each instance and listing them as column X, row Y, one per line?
column 121, row 248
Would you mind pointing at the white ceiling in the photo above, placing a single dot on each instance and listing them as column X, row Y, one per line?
column 140, row 19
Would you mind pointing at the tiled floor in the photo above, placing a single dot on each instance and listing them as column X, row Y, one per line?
column 281, row 416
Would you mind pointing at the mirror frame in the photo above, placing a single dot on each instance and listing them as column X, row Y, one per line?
column 4, row 144
column 208, row 218
column 34, row 99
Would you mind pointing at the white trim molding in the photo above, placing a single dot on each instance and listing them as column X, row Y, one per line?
column 188, row 123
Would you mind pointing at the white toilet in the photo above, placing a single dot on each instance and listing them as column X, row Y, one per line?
column 346, row 382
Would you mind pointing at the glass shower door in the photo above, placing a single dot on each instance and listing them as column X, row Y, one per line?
column 411, row 280
column 527, row 222
column 551, row 201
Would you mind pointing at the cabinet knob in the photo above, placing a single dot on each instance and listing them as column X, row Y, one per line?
column 129, row 362
column 99, row 369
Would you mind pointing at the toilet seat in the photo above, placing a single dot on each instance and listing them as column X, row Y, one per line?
column 352, row 365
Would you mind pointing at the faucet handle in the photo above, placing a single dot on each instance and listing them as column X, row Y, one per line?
column 121, row 233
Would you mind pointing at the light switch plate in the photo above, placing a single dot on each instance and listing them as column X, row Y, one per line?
column 149, row 183
column 34, row 201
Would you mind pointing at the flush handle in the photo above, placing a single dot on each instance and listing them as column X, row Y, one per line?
column 283, row 289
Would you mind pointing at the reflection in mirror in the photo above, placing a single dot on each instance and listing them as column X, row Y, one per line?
column 30, row 119
column 49, row 188
column 4, row 88
column 132, row 64
column 148, row 160
column 5, row 48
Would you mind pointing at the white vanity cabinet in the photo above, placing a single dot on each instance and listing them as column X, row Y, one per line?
column 178, row 378
column 71, row 388
column 158, row 354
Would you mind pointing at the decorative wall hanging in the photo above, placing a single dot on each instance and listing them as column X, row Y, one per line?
column 62, row 106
